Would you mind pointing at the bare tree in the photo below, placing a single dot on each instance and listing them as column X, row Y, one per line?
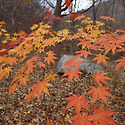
column 20, row 14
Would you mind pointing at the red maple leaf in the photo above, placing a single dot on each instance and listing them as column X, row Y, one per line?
column 71, row 73
column 74, row 15
column 68, row 3
column 3, row 52
column 102, row 117
column 78, row 102
column 81, row 120
column 100, row 77
column 121, row 62
column 48, row 15
column 99, row 92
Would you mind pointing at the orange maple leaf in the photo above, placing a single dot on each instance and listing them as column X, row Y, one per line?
column 73, row 62
column 12, row 88
column 41, row 64
column 84, row 43
column 7, row 70
column 1, row 73
column 71, row 73
column 11, row 60
column 83, row 53
column 50, row 58
column 23, row 79
column 102, row 117
column 2, row 23
column 99, row 92
column 34, row 58
column 78, row 102
column 30, row 66
column 100, row 58
column 81, row 120
column 80, row 17
column 107, row 18
column 100, row 77
column 48, row 122
column 39, row 87
column 121, row 62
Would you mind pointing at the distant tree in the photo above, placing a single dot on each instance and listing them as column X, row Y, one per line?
column 20, row 14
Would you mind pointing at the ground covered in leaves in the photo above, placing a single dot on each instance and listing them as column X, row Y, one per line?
column 13, row 110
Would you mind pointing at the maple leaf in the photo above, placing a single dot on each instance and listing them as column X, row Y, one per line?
column 2, row 23
column 46, row 9
column 1, row 73
column 81, row 120
column 83, row 53
column 3, row 52
column 34, row 27
column 41, row 64
column 12, row 88
column 80, row 17
column 63, row 33
column 99, row 92
column 100, row 77
column 23, row 79
column 35, row 58
column 7, row 70
column 107, row 18
column 71, row 73
column 11, row 60
column 74, row 15
column 121, row 62
column 48, row 42
column 84, row 43
column 68, row 3
column 74, row 61
column 48, row 122
column 50, row 58
column 100, row 58
column 102, row 117
column 50, row 77
column 30, row 66
column 48, row 15
column 78, row 102
column 39, row 87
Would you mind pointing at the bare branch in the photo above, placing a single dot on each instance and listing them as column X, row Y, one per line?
column 64, row 9
column 81, row 11
column 50, row 4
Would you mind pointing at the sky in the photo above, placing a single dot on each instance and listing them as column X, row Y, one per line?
column 83, row 4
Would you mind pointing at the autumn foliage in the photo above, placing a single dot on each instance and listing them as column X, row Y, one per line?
column 92, row 40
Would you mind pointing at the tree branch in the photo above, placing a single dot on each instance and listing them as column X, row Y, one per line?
column 83, row 10
column 64, row 9
column 50, row 4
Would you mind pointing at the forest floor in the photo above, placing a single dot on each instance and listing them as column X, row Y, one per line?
column 13, row 110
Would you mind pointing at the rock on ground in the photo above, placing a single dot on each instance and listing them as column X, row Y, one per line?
column 88, row 66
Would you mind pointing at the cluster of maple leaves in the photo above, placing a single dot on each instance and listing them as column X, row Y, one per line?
column 91, row 38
